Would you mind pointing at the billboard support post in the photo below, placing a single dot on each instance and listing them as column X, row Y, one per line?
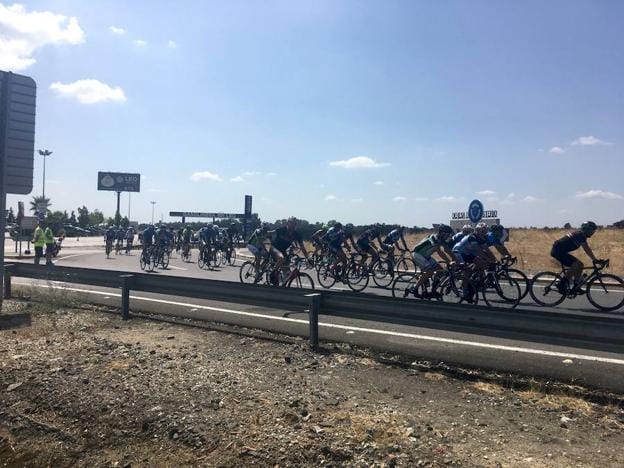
column 118, row 214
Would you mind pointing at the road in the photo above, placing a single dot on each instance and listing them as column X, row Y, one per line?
column 599, row 369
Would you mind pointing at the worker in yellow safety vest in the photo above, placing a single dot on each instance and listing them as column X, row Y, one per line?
column 49, row 241
column 39, row 242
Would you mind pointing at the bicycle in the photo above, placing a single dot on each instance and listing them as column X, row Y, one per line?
column 186, row 252
column 118, row 246
column 353, row 274
column 551, row 289
column 249, row 274
column 109, row 248
column 146, row 260
column 160, row 256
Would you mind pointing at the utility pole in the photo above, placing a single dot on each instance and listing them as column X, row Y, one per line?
column 153, row 203
column 45, row 154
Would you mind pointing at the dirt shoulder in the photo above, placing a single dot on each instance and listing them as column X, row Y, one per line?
column 81, row 387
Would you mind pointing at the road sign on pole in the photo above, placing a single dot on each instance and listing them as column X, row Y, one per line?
column 17, row 135
column 17, row 144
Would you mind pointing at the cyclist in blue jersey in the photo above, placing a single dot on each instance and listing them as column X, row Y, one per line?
column 255, row 244
column 365, row 243
column 109, row 238
column 496, row 237
column 129, row 240
column 148, row 236
column 466, row 231
column 473, row 249
column 120, row 235
column 335, row 237
column 393, row 238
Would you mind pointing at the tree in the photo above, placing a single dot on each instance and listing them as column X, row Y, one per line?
column 56, row 220
column 96, row 217
column 40, row 201
column 72, row 219
column 567, row 226
column 83, row 217
column 125, row 222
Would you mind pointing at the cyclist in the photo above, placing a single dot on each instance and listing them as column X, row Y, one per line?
column 109, row 238
column 255, row 244
column 207, row 238
column 365, row 245
column 129, row 240
column 120, row 235
column 148, row 236
column 474, row 252
column 466, row 231
column 423, row 251
column 334, row 238
column 179, row 237
column 569, row 243
column 349, row 242
column 185, row 239
column 282, row 238
column 393, row 238
column 228, row 243
column 496, row 237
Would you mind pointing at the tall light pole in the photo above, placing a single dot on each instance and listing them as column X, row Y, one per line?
column 153, row 203
column 45, row 154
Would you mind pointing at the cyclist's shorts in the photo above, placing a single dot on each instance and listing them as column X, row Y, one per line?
column 563, row 257
column 465, row 258
column 256, row 251
column 423, row 262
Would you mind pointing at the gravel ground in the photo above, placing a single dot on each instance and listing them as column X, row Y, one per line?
column 81, row 387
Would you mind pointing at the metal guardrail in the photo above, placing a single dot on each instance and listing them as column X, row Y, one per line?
column 585, row 331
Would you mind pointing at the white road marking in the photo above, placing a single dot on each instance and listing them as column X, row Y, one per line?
column 65, row 257
column 438, row 339
column 176, row 268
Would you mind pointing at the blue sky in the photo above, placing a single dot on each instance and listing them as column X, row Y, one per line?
column 398, row 111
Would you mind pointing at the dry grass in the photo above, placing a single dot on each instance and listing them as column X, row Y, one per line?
column 558, row 402
column 532, row 247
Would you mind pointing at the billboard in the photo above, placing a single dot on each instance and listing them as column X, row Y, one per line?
column 18, row 95
column 119, row 182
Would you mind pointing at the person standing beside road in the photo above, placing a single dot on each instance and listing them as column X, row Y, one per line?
column 49, row 241
column 39, row 242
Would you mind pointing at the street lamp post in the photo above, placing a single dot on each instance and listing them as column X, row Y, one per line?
column 153, row 203
column 45, row 154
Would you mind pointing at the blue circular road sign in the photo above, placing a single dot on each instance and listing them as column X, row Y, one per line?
column 475, row 211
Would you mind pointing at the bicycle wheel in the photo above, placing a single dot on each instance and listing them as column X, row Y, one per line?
column 545, row 289
column 302, row 281
column 522, row 279
column 606, row 292
column 503, row 292
column 165, row 260
column 216, row 259
column 406, row 265
column 449, row 288
column 383, row 273
column 403, row 285
column 247, row 272
column 151, row 262
column 142, row 262
column 232, row 257
column 325, row 277
column 357, row 277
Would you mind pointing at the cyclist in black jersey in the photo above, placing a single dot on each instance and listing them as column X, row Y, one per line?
column 569, row 243
column 282, row 238
column 365, row 245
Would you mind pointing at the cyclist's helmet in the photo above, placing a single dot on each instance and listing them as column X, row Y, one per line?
column 445, row 230
column 292, row 221
column 589, row 228
column 481, row 229
column 349, row 227
column 467, row 229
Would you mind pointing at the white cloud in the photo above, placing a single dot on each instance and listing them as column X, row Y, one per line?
column 357, row 200
column 358, row 162
column 379, row 182
column 22, row 33
column 172, row 44
column 531, row 199
column 89, row 91
column 116, row 30
column 399, row 199
column 331, row 198
column 449, row 199
column 421, row 199
column 205, row 175
column 556, row 150
column 271, row 174
column 237, row 179
column 589, row 141
column 599, row 194
column 140, row 43
column 486, row 193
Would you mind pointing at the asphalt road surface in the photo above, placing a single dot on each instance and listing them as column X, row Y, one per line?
column 599, row 369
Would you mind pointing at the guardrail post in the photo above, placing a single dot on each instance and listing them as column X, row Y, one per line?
column 315, row 306
column 8, row 269
column 126, row 283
